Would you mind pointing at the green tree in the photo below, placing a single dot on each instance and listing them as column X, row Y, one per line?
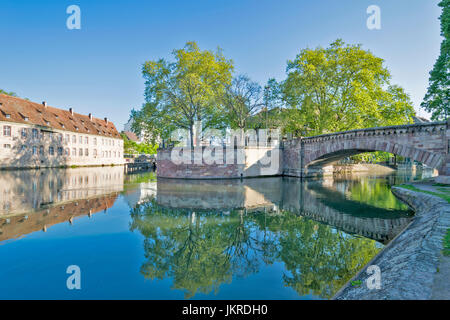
column 184, row 91
column 241, row 99
column 340, row 88
column 132, row 147
column 437, row 98
column 7, row 93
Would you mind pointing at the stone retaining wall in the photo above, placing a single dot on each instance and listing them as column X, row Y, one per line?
column 409, row 263
column 247, row 162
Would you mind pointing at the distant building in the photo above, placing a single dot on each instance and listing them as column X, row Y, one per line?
column 142, row 136
column 419, row 120
column 131, row 136
column 128, row 128
column 37, row 135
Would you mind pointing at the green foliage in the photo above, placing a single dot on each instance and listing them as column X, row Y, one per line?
column 444, row 195
column 8, row 93
column 446, row 250
column 181, row 92
column 340, row 88
column 132, row 147
column 437, row 98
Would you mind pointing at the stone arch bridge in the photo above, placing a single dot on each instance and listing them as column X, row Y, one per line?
column 427, row 143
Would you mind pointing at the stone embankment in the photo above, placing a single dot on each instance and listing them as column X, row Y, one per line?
column 412, row 265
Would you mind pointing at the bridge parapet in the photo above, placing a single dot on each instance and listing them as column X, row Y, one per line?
column 426, row 128
column 427, row 143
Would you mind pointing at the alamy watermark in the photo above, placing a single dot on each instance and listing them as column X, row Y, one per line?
column 216, row 147
column 374, row 20
column 74, row 280
column 73, row 22
column 373, row 282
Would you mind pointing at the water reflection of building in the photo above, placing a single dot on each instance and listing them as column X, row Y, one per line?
column 19, row 225
column 24, row 191
column 322, row 201
column 143, row 193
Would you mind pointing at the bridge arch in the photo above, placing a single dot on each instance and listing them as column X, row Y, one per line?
column 427, row 143
column 336, row 151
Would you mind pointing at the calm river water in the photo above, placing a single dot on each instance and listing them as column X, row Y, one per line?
column 133, row 237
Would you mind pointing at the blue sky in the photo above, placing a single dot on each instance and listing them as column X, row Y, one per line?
column 98, row 68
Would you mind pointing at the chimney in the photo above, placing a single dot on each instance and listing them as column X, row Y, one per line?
column 71, row 111
column 106, row 120
column 90, row 116
column 44, row 103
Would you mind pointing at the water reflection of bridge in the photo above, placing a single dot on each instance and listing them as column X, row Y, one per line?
column 322, row 201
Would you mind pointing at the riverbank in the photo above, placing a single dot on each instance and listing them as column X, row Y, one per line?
column 412, row 265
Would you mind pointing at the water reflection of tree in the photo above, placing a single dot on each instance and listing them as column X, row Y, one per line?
column 318, row 258
column 200, row 251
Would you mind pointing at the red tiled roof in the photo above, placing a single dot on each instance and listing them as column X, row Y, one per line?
column 131, row 136
column 18, row 110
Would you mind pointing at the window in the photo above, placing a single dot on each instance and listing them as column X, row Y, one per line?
column 86, row 140
column 80, row 153
column 34, row 150
column 74, row 139
column 24, row 132
column 35, row 133
column 7, row 131
column 51, row 151
column 86, row 152
column 81, row 140
column 74, row 152
column 67, row 138
column 60, row 151
column 60, row 137
column 67, row 152
column 41, row 150
column 23, row 148
column 7, row 146
column 95, row 141
column 95, row 152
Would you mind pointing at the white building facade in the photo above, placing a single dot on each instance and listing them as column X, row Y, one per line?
column 36, row 135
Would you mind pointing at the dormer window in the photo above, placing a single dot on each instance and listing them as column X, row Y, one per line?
column 7, row 116
column 62, row 125
column 76, row 128
column 47, row 123
column 26, row 118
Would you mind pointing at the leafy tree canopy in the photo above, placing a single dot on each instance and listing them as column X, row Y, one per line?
column 339, row 88
column 184, row 90
column 437, row 99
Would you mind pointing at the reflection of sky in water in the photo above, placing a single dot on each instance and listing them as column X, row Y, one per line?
column 269, row 238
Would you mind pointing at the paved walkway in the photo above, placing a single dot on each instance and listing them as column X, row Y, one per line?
column 441, row 284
